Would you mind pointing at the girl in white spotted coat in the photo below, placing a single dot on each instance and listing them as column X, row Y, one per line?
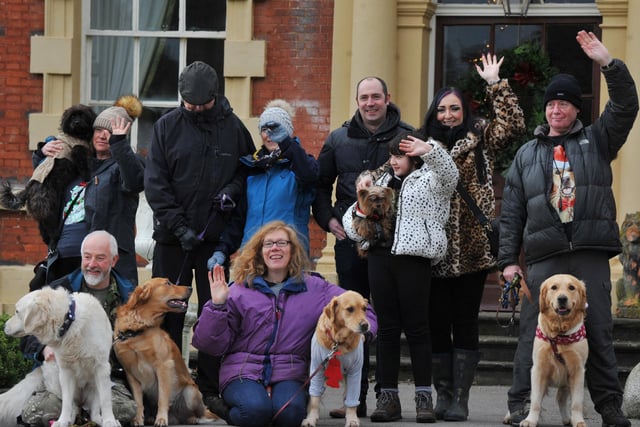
column 424, row 178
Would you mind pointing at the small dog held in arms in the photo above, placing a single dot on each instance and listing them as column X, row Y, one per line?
column 340, row 334
column 42, row 194
column 374, row 217
column 152, row 360
column 560, row 349
column 78, row 330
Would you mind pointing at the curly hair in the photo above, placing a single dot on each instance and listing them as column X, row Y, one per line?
column 250, row 264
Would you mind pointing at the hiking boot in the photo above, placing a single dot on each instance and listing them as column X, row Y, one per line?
column 612, row 415
column 217, row 405
column 519, row 414
column 424, row 407
column 340, row 412
column 387, row 407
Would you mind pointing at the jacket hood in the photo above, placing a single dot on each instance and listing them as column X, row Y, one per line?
column 387, row 130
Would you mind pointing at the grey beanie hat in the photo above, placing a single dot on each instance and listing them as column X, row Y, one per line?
column 278, row 111
column 104, row 119
column 198, row 83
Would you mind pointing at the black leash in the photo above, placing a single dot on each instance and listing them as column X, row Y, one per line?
column 510, row 296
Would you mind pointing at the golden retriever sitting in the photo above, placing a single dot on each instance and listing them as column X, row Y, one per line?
column 340, row 329
column 374, row 217
column 150, row 358
column 560, row 349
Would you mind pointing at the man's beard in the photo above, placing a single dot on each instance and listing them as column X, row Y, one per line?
column 92, row 279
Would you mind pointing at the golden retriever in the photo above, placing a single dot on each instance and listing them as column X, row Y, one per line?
column 374, row 218
column 151, row 359
column 78, row 330
column 560, row 349
column 340, row 327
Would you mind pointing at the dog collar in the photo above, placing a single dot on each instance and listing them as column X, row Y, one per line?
column 574, row 337
column 129, row 333
column 69, row 317
column 361, row 214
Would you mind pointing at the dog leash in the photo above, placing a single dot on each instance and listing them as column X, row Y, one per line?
column 323, row 365
column 510, row 296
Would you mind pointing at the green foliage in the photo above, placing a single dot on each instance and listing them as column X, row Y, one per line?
column 528, row 69
column 13, row 366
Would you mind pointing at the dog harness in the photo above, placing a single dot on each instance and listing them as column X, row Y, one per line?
column 68, row 318
column 574, row 337
column 363, row 215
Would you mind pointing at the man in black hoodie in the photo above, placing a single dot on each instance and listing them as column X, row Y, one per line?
column 192, row 183
column 359, row 144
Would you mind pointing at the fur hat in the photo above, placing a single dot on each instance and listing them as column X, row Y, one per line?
column 198, row 83
column 565, row 87
column 128, row 107
column 279, row 111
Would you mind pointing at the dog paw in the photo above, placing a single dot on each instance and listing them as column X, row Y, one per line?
column 527, row 423
column 309, row 422
column 138, row 421
column 110, row 422
column 352, row 423
column 580, row 424
column 161, row 422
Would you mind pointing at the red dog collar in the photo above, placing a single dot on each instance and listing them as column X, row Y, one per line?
column 579, row 335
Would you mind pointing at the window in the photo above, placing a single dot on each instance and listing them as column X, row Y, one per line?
column 140, row 47
column 461, row 40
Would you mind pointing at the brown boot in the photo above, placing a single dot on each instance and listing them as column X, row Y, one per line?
column 424, row 407
column 387, row 407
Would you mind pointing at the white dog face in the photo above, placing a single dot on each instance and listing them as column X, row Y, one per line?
column 30, row 317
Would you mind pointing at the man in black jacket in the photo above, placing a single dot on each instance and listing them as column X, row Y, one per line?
column 358, row 145
column 559, row 207
column 192, row 183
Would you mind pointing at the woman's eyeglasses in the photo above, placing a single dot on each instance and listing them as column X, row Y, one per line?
column 279, row 243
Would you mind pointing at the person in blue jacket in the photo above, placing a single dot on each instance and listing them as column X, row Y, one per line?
column 96, row 276
column 281, row 175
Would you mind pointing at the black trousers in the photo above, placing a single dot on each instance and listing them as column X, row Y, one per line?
column 453, row 309
column 400, row 291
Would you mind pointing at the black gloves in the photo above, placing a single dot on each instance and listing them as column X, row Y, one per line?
column 188, row 238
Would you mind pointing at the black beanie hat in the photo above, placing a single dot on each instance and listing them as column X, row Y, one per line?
column 198, row 83
column 565, row 87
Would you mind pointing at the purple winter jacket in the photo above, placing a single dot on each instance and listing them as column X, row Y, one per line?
column 264, row 337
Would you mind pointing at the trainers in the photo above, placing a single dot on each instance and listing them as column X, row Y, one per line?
column 520, row 414
column 424, row 407
column 217, row 405
column 387, row 407
column 612, row 415
column 340, row 412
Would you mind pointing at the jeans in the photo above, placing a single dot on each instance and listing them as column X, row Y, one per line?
column 252, row 406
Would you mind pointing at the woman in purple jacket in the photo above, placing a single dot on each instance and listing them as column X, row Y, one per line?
column 263, row 325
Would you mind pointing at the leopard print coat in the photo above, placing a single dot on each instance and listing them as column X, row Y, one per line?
column 468, row 249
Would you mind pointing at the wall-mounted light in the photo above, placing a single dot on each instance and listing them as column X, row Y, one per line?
column 515, row 7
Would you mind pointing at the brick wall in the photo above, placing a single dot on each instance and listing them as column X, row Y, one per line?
column 20, row 94
column 298, row 34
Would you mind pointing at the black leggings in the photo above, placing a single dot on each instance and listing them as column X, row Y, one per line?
column 400, row 293
column 455, row 303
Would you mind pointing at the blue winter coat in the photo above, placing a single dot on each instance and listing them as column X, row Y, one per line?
column 266, row 337
column 284, row 191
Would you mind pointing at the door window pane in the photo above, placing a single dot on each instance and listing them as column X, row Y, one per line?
column 463, row 45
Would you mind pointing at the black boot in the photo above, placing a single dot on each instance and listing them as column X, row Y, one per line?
column 612, row 415
column 441, row 368
column 464, row 369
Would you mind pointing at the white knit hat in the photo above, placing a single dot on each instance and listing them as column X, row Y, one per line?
column 128, row 107
column 278, row 111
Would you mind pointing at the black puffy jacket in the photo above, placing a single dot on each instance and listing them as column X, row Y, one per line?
column 347, row 152
column 529, row 220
